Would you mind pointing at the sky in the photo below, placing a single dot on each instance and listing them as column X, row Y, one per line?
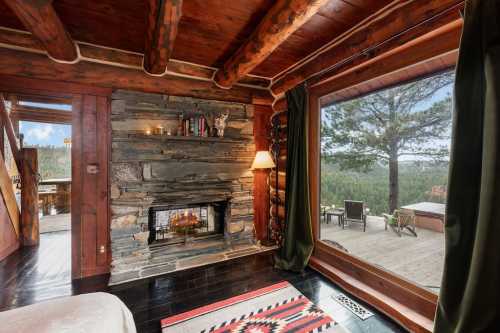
column 44, row 134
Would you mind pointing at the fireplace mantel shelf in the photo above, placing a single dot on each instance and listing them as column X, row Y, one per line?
column 185, row 138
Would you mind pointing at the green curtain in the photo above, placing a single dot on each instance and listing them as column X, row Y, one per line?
column 470, row 292
column 298, row 238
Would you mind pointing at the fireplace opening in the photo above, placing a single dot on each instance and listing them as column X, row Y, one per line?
column 177, row 224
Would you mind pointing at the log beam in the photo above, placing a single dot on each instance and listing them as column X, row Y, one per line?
column 434, row 44
column 282, row 20
column 386, row 28
column 40, row 18
column 38, row 66
column 162, row 24
column 18, row 40
column 41, row 115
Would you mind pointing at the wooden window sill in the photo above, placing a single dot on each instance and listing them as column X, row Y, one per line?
column 402, row 314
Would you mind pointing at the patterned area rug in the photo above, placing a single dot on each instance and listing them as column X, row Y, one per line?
column 278, row 308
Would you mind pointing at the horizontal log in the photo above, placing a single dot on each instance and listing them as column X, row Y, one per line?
column 387, row 25
column 281, row 211
column 39, row 99
column 428, row 26
column 40, row 18
column 437, row 43
column 282, row 163
column 281, row 180
column 283, row 117
column 42, row 115
column 38, row 66
column 282, row 20
column 114, row 57
column 280, row 105
column 281, row 194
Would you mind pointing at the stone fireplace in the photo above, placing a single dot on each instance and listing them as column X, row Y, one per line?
column 177, row 201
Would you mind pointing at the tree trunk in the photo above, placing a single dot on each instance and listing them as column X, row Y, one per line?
column 393, row 183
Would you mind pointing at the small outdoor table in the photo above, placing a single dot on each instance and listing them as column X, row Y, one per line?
column 339, row 213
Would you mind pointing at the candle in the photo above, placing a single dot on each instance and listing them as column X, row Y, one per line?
column 159, row 130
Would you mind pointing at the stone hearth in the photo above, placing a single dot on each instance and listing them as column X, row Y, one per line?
column 154, row 171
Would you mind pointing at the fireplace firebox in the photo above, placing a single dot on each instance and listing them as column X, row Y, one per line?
column 177, row 224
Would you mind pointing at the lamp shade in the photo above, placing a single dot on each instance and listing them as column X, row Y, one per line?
column 263, row 160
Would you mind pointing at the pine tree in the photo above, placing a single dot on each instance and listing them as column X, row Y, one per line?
column 384, row 126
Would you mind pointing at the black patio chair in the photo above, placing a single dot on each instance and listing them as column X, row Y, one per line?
column 354, row 211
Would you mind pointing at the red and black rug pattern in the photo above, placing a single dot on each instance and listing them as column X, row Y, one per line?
column 278, row 308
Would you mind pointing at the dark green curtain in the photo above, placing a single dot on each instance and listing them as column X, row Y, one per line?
column 298, row 238
column 470, row 291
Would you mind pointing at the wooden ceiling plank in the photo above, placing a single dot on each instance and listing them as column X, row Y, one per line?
column 282, row 20
column 381, row 29
column 163, row 17
column 40, row 18
column 34, row 65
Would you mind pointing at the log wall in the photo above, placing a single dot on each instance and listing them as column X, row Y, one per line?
column 280, row 175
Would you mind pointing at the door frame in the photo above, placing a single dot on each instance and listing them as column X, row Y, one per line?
column 75, row 93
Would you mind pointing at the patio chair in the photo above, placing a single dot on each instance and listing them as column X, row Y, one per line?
column 400, row 220
column 354, row 211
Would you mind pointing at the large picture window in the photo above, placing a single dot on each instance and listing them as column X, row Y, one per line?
column 384, row 169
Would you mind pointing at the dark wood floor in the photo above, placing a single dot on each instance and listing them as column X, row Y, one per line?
column 33, row 275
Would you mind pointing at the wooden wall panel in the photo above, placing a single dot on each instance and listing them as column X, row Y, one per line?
column 90, row 219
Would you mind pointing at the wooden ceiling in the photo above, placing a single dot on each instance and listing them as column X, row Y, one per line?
column 210, row 31
column 269, row 45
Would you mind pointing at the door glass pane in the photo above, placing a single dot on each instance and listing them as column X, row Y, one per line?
column 384, row 170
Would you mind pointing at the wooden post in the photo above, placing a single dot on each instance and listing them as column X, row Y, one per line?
column 29, row 197
column 63, row 199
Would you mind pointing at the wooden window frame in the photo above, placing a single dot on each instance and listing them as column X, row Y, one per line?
column 410, row 305
column 407, row 303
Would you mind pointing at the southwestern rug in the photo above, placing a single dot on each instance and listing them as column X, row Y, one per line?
column 278, row 308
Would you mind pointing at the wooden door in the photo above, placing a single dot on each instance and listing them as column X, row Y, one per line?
column 90, row 215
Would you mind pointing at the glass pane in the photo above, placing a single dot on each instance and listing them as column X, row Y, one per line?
column 53, row 144
column 384, row 170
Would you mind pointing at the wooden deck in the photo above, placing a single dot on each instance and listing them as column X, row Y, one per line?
column 54, row 223
column 418, row 259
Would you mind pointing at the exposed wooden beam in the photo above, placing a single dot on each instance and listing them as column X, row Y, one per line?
column 282, row 20
column 405, row 75
column 39, row 99
column 387, row 28
column 162, row 22
column 13, row 39
column 40, row 18
column 434, row 44
column 34, row 65
column 41, row 115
